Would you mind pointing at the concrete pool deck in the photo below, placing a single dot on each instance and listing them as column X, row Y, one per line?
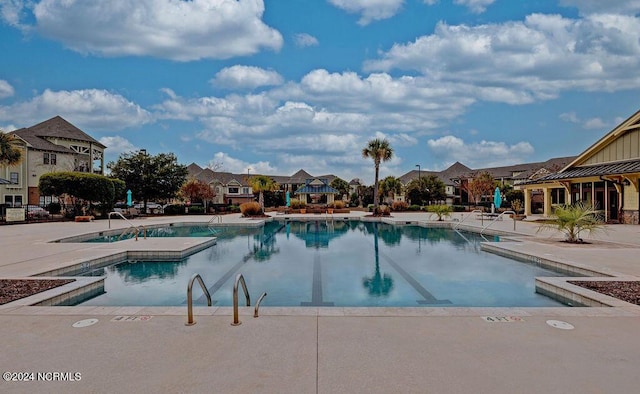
column 319, row 350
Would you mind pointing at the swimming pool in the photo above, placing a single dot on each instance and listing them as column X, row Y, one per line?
column 335, row 263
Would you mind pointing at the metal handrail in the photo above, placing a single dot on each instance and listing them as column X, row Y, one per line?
column 136, row 233
column 255, row 311
column 190, row 320
column 239, row 279
column 468, row 216
column 498, row 217
column 121, row 215
column 217, row 218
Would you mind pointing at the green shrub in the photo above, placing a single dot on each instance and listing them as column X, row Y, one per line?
column 174, row 209
column 440, row 210
column 399, row 206
column 250, row 209
column 196, row 209
column 297, row 204
column 234, row 209
column 414, row 207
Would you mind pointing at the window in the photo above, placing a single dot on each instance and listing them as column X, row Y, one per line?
column 245, row 190
column 46, row 200
column 13, row 201
column 49, row 158
column 233, row 190
column 14, row 178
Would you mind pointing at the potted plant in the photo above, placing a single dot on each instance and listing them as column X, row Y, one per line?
column 516, row 206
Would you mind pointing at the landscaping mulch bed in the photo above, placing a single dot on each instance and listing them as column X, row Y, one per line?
column 625, row 291
column 15, row 289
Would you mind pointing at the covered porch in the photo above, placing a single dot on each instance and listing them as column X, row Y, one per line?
column 612, row 188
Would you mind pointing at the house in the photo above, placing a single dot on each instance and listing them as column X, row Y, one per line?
column 607, row 175
column 231, row 189
column 51, row 146
column 450, row 177
column 235, row 189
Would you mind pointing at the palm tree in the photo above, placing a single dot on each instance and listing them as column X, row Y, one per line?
column 10, row 153
column 262, row 183
column 573, row 219
column 379, row 150
column 390, row 187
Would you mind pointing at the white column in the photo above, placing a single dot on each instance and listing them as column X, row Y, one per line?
column 547, row 201
column 527, row 202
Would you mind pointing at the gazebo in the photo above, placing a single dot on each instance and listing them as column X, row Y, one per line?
column 317, row 187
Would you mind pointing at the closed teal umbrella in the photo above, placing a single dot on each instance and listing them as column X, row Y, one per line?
column 497, row 198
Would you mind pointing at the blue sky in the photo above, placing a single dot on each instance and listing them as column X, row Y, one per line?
column 275, row 86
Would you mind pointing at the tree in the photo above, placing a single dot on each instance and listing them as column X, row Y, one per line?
column 10, row 152
column 261, row 184
column 379, row 150
column 427, row 189
column 574, row 219
column 194, row 189
column 341, row 186
column 479, row 185
column 82, row 188
column 390, row 186
column 149, row 177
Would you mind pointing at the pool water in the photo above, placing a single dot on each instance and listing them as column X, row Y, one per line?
column 335, row 263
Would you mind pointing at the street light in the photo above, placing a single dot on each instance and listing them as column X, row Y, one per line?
column 418, row 165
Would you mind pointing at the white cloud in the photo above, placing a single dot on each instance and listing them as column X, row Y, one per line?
column 170, row 29
column 91, row 108
column 246, row 77
column 227, row 163
column 476, row 6
column 115, row 146
column 305, row 40
column 595, row 123
column 628, row 7
column 6, row 90
column 12, row 11
column 590, row 124
column 479, row 154
column 370, row 10
column 570, row 117
column 521, row 62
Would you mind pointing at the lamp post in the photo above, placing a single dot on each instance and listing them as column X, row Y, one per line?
column 418, row 165
column 143, row 186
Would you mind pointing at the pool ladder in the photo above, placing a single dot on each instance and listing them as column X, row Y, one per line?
column 239, row 281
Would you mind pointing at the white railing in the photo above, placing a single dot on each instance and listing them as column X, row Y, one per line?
column 499, row 218
column 465, row 218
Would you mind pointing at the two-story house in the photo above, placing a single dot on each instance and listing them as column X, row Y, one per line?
column 51, row 146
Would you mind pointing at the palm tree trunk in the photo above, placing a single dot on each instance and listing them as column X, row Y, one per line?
column 375, row 189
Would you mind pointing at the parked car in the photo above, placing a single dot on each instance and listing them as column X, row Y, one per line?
column 36, row 212
column 152, row 207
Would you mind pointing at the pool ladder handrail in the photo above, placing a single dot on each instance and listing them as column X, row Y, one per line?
column 135, row 231
column 122, row 216
column 195, row 277
column 497, row 218
column 240, row 281
column 468, row 216
column 216, row 218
